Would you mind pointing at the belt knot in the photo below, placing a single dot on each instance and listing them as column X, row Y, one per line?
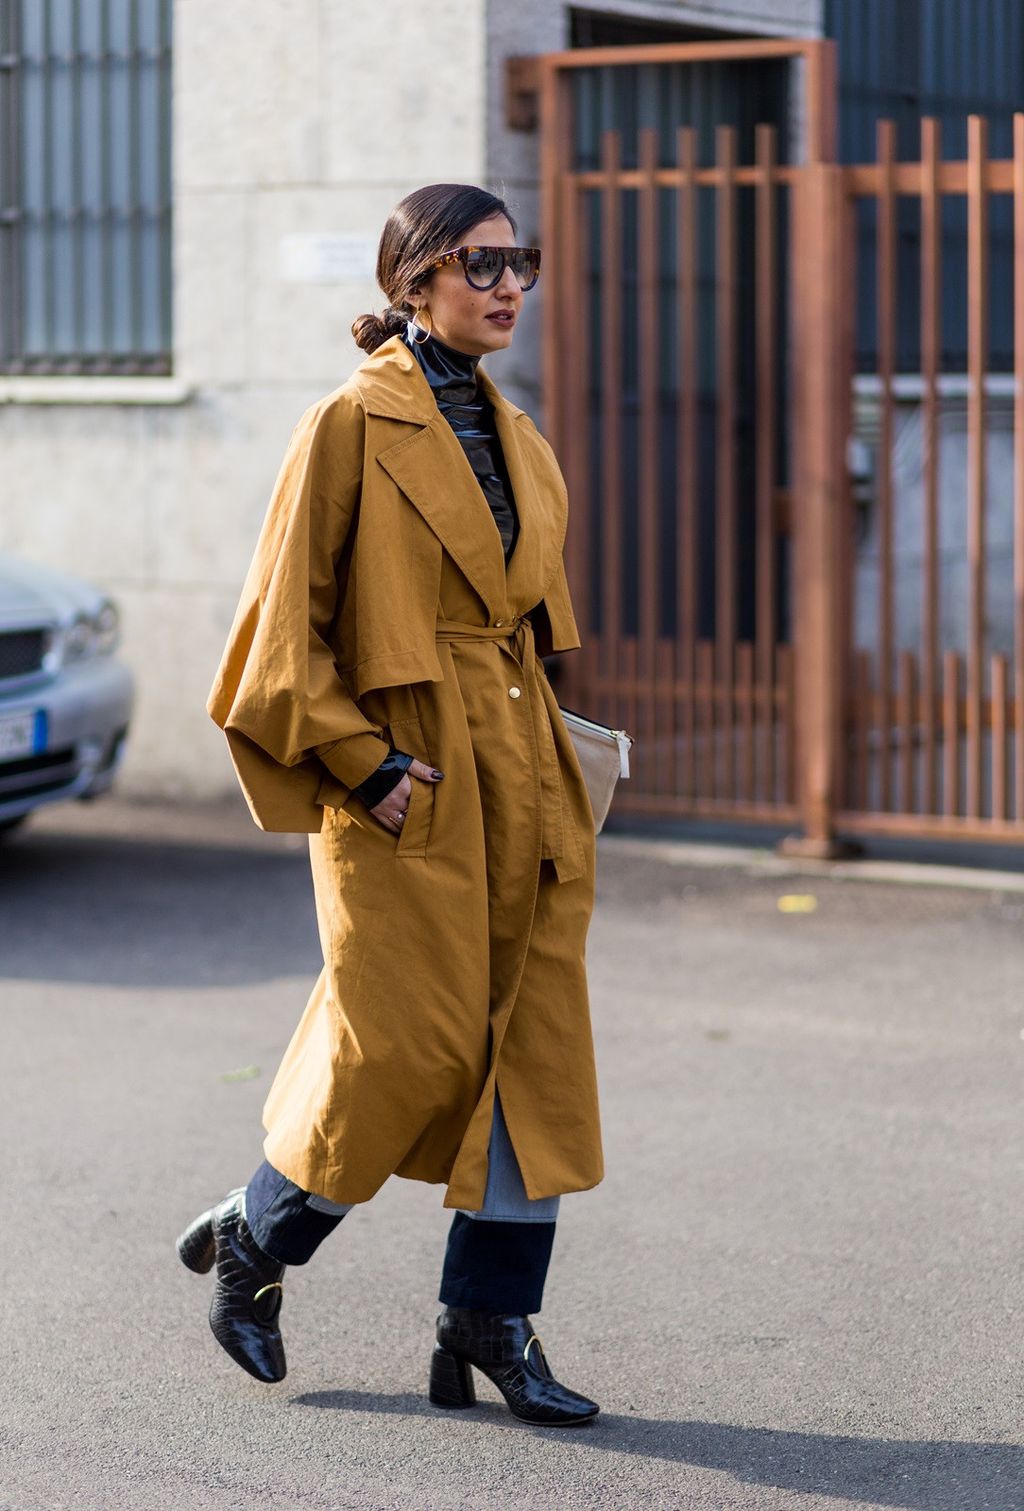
column 452, row 629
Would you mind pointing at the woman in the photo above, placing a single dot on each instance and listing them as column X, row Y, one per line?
column 382, row 690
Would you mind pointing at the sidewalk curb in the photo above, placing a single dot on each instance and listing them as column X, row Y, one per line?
column 755, row 862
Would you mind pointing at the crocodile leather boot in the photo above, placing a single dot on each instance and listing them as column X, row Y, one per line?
column 507, row 1350
column 247, row 1296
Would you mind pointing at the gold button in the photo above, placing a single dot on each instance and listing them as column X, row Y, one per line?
column 515, row 692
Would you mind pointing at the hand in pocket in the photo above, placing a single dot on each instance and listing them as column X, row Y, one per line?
column 391, row 810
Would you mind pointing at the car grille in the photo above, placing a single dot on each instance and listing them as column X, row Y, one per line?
column 32, row 776
column 21, row 652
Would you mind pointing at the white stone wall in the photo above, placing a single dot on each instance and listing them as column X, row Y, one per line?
column 291, row 118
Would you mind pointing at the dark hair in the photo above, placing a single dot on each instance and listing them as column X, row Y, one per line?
column 423, row 226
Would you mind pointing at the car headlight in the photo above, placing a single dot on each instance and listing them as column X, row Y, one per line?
column 107, row 625
column 91, row 634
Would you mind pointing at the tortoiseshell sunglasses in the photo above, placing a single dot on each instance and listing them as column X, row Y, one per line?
column 484, row 266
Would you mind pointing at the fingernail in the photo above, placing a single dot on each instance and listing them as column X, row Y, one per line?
column 437, row 775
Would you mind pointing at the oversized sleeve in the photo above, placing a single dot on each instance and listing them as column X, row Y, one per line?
column 278, row 686
column 553, row 619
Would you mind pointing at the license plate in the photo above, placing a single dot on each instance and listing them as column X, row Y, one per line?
column 17, row 736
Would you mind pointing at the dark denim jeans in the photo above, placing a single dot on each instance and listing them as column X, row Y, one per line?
column 493, row 1263
column 490, row 1266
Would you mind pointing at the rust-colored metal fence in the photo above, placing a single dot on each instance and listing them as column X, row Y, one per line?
column 784, row 645
column 934, row 687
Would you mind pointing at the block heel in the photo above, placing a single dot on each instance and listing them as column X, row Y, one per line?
column 504, row 1347
column 197, row 1247
column 451, row 1380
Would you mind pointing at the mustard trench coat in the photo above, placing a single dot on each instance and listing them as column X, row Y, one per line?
column 378, row 609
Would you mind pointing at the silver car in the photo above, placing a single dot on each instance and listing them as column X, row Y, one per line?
column 65, row 700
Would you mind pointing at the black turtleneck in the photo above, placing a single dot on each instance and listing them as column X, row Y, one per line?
column 453, row 378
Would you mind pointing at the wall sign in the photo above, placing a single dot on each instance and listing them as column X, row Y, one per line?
column 328, row 257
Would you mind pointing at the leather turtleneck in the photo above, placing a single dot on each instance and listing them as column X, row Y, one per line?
column 453, row 378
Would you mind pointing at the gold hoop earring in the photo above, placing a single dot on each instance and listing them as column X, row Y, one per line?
column 419, row 340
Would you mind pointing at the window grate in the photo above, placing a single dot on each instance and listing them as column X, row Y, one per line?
column 85, row 186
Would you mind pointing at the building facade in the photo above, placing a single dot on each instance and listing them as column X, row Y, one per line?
column 190, row 201
column 150, row 385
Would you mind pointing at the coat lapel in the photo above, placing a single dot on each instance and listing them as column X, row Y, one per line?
column 432, row 470
column 540, row 501
column 430, row 467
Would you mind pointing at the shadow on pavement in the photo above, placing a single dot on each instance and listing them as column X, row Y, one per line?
column 120, row 911
column 919, row 1476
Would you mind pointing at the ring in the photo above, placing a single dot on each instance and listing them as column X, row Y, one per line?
column 400, row 816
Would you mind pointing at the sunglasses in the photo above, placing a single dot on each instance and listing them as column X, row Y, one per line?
column 484, row 266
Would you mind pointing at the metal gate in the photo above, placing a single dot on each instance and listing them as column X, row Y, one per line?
column 700, row 323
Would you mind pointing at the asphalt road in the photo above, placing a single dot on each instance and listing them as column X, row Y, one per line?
column 798, row 1286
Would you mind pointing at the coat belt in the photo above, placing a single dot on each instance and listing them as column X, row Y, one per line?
column 452, row 629
column 521, row 631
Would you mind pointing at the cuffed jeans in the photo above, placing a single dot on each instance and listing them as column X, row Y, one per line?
column 496, row 1259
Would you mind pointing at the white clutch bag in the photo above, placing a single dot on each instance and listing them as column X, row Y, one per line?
column 603, row 755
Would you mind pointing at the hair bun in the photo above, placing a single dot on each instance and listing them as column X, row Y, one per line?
column 371, row 331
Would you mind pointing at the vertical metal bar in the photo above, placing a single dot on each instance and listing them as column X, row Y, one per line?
column 819, row 410
column 931, row 347
column 686, row 505
column 648, row 491
column 561, row 295
column 725, row 427
column 977, row 350
column 551, row 167
column 998, row 724
column 766, row 337
column 47, row 221
column 165, row 127
column 665, row 692
column 630, row 674
column 565, row 292
column 862, row 730
column 1018, row 467
column 106, row 224
column 846, row 550
column 611, row 420
column 822, row 100
column 11, row 201
column 565, row 328
column 6, row 207
column 745, row 698
column 136, row 343
column 951, row 734
column 906, row 699
column 787, row 683
column 569, row 289
column 886, row 338
column 77, row 207
column 706, row 710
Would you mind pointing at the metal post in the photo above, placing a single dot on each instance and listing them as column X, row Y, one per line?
column 821, row 400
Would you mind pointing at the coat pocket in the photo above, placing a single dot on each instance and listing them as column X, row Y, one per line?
column 407, row 735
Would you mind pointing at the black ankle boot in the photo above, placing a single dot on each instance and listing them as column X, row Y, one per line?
column 507, row 1350
column 247, row 1296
